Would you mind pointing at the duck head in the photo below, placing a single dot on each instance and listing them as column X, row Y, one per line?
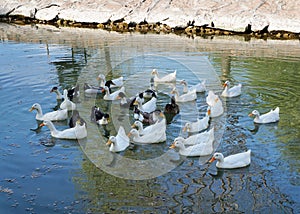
column 45, row 123
column 217, row 156
column 227, row 83
column 111, row 140
column 254, row 113
column 183, row 82
column 35, row 106
column 133, row 132
column 54, row 89
column 154, row 72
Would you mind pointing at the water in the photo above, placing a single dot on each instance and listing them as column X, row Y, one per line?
column 45, row 175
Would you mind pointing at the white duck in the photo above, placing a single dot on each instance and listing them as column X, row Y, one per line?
column 77, row 132
column 232, row 161
column 199, row 149
column 215, row 106
column 167, row 78
column 53, row 116
column 149, row 106
column 67, row 104
column 269, row 117
column 233, row 91
column 119, row 142
column 212, row 98
column 118, row 82
column 200, row 87
column 190, row 96
column 149, row 129
column 197, row 126
column 114, row 95
column 203, row 137
column 156, row 136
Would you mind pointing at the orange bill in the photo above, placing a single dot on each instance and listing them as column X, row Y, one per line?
column 212, row 160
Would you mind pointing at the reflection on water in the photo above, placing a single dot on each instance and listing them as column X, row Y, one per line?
column 36, row 167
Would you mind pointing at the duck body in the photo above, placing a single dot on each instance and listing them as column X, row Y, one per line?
column 199, row 87
column 149, row 129
column 172, row 108
column 199, row 149
column 167, row 78
column 119, row 142
column 149, row 106
column 233, row 91
column 270, row 117
column 188, row 97
column 114, row 95
column 77, row 132
column 238, row 160
column 89, row 89
column 67, row 104
column 155, row 136
column 203, row 137
column 197, row 126
column 52, row 116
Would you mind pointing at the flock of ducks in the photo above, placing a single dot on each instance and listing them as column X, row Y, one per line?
column 150, row 122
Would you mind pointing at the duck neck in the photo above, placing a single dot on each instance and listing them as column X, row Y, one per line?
column 220, row 160
column 52, row 128
column 181, row 147
column 155, row 117
column 226, row 89
column 156, row 76
column 107, row 92
column 185, row 88
column 39, row 112
column 102, row 82
column 176, row 95
column 66, row 94
column 140, row 128
column 136, row 135
column 257, row 117
column 140, row 105
column 58, row 95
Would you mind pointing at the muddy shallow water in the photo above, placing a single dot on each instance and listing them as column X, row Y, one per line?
column 44, row 175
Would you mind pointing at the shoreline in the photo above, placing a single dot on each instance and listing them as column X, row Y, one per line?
column 144, row 27
column 252, row 18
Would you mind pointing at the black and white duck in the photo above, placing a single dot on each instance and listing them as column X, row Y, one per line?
column 98, row 116
column 72, row 93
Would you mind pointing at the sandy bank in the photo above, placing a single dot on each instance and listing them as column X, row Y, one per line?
column 228, row 14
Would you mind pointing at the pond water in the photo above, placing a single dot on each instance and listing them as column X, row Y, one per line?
column 45, row 175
